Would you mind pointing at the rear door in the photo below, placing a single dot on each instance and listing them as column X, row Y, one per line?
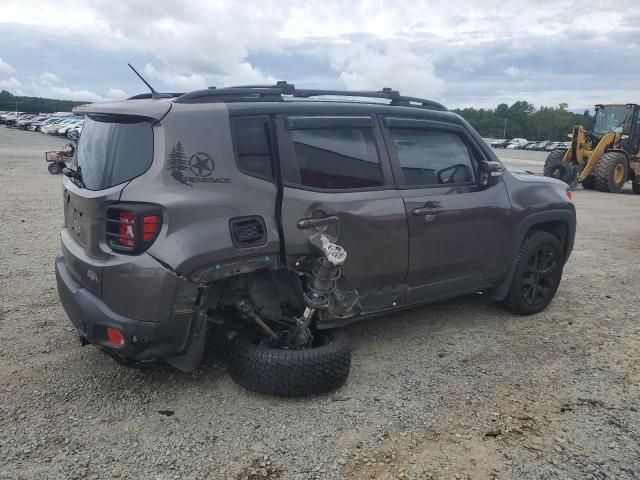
column 458, row 230
column 338, row 166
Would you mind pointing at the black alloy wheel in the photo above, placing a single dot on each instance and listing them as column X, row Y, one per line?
column 540, row 276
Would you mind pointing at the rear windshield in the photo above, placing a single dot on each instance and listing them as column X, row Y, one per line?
column 112, row 152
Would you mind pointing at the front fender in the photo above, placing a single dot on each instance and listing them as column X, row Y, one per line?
column 566, row 216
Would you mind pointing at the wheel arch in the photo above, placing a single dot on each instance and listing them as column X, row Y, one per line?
column 559, row 222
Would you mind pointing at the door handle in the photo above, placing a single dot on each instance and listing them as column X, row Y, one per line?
column 307, row 223
column 419, row 212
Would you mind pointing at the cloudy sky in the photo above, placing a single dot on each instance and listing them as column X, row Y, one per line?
column 463, row 53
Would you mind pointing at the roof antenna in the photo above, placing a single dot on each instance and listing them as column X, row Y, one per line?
column 154, row 94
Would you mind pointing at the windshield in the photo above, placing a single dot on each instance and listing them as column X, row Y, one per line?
column 610, row 119
column 112, row 152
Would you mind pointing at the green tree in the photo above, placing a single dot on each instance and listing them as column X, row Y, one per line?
column 524, row 120
column 34, row 104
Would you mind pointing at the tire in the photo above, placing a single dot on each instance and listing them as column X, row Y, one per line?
column 589, row 183
column 532, row 290
column 635, row 185
column 54, row 168
column 291, row 373
column 555, row 167
column 611, row 172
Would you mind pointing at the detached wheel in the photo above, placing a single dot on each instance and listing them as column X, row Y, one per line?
column 291, row 373
column 611, row 172
column 555, row 167
column 54, row 168
column 537, row 274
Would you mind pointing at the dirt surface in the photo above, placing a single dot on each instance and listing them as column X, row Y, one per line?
column 461, row 389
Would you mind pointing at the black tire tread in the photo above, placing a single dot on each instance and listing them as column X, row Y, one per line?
column 602, row 172
column 291, row 373
column 513, row 300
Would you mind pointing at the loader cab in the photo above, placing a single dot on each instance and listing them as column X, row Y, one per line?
column 623, row 119
column 611, row 118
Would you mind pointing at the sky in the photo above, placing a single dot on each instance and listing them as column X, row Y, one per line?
column 464, row 53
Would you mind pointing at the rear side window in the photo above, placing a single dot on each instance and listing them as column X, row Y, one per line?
column 113, row 152
column 251, row 137
column 340, row 158
column 432, row 157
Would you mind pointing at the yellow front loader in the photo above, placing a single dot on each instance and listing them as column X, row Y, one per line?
column 606, row 158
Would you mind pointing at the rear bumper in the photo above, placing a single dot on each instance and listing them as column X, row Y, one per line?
column 91, row 317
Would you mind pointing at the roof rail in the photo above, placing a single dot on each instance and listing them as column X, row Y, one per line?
column 249, row 93
column 142, row 96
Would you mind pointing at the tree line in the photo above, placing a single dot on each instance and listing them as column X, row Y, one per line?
column 34, row 104
column 523, row 120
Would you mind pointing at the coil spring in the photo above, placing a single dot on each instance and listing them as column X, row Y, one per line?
column 323, row 284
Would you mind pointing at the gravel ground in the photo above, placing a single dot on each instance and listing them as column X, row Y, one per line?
column 457, row 390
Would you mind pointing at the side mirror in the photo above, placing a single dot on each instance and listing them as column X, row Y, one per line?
column 490, row 173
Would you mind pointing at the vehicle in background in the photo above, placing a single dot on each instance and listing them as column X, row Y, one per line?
column 542, row 145
column 553, row 146
column 517, row 143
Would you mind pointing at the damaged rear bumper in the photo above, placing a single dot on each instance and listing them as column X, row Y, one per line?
column 144, row 340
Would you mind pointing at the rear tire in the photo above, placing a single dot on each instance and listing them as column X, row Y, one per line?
column 611, row 172
column 291, row 373
column 635, row 185
column 537, row 273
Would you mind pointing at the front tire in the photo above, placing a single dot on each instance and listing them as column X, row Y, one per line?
column 291, row 373
column 611, row 172
column 537, row 274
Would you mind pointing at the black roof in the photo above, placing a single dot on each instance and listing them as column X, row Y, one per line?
column 283, row 90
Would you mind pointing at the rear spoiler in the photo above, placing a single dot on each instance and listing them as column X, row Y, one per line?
column 153, row 109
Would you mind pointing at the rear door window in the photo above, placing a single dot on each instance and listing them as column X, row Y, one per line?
column 337, row 158
column 113, row 150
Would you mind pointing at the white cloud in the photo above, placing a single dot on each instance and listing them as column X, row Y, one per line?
column 5, row 68
column 512, row 71
column 394, row 65
column 49, row 78
column 116, row 94
column 175, row 80
column 11, row 83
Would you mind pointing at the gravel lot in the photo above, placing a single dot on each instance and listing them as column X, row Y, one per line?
column 458, row 390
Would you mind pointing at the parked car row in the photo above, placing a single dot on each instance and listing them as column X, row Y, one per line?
column 524, row 144
column 61, row 123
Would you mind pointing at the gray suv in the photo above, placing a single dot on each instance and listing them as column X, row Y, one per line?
column 271, row 216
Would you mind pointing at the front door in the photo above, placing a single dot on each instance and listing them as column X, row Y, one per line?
column 338, row 167
column 458, row 230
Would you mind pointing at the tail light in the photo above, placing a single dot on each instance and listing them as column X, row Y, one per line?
column 132, row 227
